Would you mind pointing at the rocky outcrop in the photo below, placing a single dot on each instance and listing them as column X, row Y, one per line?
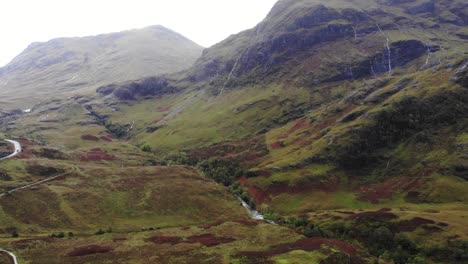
column 425, row 7
column 285, row 45
column 153, row 86
column 461, row 76
column 268, row 55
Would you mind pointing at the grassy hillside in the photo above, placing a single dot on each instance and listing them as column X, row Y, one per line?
column 66, row 65
column 344, row 122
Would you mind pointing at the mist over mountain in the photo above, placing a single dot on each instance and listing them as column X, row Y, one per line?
column 67, row 65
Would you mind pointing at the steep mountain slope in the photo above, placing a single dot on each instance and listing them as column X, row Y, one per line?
column 313, row 53
column 66, row 65
column 336, row 106
column 309, row 42
column 344, row 121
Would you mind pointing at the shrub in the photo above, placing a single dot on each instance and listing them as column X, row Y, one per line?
column 222, row 171
column 146, row 148
column 313, row 231
column 100, row 232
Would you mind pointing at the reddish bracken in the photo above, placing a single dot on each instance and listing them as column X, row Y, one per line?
column 173, row 240
column 247, row 222
column 375, row 192
column 106, row 138
column 276, row 145
column 300, row 124
column 89, row 137
column 96, row 156
column 306, row 244
column 260, row 196
column 413, row 224
column 209, row 240
column 88, row 250
column 24, row 243
column 375, row 215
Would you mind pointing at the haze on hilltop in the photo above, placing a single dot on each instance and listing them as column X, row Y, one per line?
column 204, row 21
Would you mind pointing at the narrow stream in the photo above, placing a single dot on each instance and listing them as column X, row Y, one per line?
column 256, row 215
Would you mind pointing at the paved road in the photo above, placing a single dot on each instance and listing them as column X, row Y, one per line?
column 16, row 151
column 36, row 183
column 12, row 256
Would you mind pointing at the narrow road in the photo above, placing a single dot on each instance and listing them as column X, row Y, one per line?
column 36, row 183
column 12, row 256
column 15, row 152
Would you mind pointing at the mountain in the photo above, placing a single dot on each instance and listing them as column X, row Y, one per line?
column 344, row 122
column 67, row 65
column 311, row 42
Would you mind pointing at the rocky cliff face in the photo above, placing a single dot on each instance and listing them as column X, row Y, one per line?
column 333, row 41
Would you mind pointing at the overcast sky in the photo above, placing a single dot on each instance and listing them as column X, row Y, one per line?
column 203, row 21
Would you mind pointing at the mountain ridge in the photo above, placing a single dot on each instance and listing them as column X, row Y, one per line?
column 71, row 64
column 344, row 122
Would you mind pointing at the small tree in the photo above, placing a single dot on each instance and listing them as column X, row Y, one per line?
column 15, row 234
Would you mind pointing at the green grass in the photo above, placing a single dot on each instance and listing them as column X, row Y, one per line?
column 299, row 256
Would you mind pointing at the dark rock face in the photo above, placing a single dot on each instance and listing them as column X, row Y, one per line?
column 426, row 7
column 396, row 2
column 270, row 54
column 285, row 45
column 153, row 86
column 461, row 76
column 317, row 15
column 461, row 170
column 401, row 53
column 378, row 97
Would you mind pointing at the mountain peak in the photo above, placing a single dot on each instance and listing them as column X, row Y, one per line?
column 70, row 64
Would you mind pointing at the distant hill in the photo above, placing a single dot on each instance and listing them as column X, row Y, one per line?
column 69, row 64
